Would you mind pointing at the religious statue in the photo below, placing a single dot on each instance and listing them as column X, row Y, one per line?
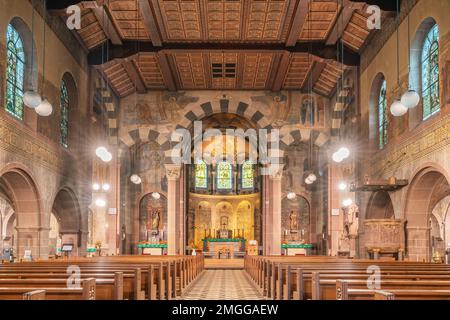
column 293, row 222
column 155, row 219
column 351, row 220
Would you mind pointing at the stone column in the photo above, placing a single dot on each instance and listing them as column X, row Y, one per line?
column 34, row 239
column 419, row 247
column 275, row 198
column 267, row 217
column 181, row 216
column 173, row 175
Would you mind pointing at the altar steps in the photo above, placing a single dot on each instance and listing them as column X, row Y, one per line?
column 224, row 264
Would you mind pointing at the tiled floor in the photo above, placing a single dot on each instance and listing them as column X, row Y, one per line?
column 222, row 285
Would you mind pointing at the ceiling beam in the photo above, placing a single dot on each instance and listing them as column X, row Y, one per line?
column 134, row 75
column 340, row 24
column 166, row 72
column 105, row 20
column 282, row 71
column 384, row 5
column 301, row 12
column 59, row 5
column 314, row 74
column 149, row 22
column 129, row 48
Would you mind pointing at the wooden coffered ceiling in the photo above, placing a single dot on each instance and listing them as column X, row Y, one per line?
column 221, row 44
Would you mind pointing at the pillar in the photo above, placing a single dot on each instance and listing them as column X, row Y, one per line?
column 275, row 198
column 173, row 175
column 34, row 239
column 272, row 210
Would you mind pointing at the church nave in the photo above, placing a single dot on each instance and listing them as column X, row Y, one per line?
column 222, row 284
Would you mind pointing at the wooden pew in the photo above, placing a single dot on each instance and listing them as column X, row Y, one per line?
column 34, row 295
column 170, row 274
column 347, row 293
column 86, row 292
column 279, row 277
column 106, row 289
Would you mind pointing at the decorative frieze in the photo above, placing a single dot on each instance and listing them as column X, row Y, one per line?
column 20, row 142
column 415, row 147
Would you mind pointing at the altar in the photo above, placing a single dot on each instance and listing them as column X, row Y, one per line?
column 223, row 247
column 296, row 249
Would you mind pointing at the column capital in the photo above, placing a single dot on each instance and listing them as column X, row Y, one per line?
column 173, row 171
column 275, row 171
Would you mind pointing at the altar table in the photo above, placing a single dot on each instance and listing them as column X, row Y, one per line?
column 224, row 247
column 296, row 249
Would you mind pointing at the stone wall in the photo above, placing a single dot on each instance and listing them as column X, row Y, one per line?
column 413, row 146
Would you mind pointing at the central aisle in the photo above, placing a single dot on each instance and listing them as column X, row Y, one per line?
column 222, row 285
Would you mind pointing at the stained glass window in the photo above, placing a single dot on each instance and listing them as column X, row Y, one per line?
column 247, row 175
column 14, row 73
column 430, row 73
column 64, row 121
column 201, row 175
column 224, row 176
column 382, row 116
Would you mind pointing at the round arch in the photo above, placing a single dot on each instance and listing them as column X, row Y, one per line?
column 19, row 186
column 415, row 75
column 373, row 107
column 380, row 206
column 67, row 210
column 31, row 79
column 428, row 187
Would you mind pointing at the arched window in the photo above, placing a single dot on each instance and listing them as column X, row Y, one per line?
column 15, row 71
column 247, row 175
column 382, row 116
column 64, row 120
column 430, row 73
column 201, row 175
column 224, row 176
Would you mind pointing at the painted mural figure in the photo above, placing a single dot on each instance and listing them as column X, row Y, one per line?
column 307, row 112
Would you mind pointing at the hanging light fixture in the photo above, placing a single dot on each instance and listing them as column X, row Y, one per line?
column 100, row 202
column 136, row 179
column 311, row 178
column 347, row 202
column 45, row 108
column 343, row 152
column 32, row 98
column 397, row 108
column 342, row 186
column 410, row 98
column 156, row 195
column 291, row 195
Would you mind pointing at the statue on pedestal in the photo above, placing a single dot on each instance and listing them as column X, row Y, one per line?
column 293, row 225
column 347, row 241
column 351, row 220
column 155, row 219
